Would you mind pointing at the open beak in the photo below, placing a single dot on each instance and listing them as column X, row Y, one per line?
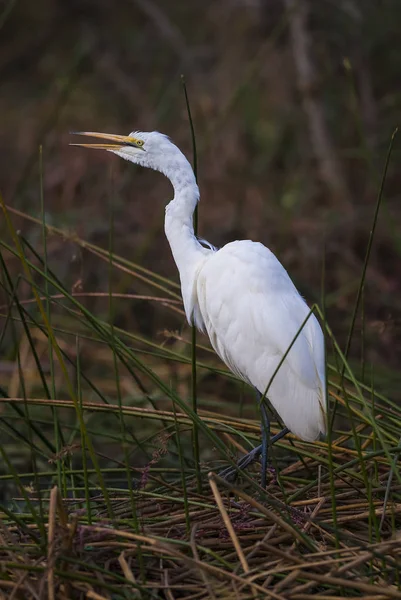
column 119, row 141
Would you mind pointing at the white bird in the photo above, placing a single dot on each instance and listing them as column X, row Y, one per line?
column 242, row 297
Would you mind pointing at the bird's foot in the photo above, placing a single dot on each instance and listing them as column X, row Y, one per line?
column 231, row 473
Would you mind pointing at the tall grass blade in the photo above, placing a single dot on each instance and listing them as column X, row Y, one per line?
column 369, row 246
column 58, row 435
column 193, row 331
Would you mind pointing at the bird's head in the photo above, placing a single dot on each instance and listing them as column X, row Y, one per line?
column 148, row 149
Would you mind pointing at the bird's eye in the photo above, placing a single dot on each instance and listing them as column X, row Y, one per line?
column 139, row 143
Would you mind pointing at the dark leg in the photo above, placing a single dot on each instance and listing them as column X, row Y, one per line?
column 259, row 450
column 265, row 429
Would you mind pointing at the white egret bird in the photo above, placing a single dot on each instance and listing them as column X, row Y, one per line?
column 242, row 297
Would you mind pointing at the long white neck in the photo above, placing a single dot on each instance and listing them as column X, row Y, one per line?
column 178, row 224
column 188, row 253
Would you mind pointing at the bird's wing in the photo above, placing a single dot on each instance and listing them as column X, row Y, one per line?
column 250, row 303
column 295, row 333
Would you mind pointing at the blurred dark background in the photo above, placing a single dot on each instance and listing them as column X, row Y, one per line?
column 294, row 104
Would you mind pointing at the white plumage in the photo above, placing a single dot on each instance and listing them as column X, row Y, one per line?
column 252, row 312
column 240, row 295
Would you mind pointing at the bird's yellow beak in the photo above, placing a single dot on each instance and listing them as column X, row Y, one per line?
column 119, row 141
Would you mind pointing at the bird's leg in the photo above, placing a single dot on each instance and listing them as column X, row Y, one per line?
column 254, row 454
column 265, row 430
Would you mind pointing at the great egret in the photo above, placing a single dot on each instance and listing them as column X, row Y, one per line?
column 242, row 297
